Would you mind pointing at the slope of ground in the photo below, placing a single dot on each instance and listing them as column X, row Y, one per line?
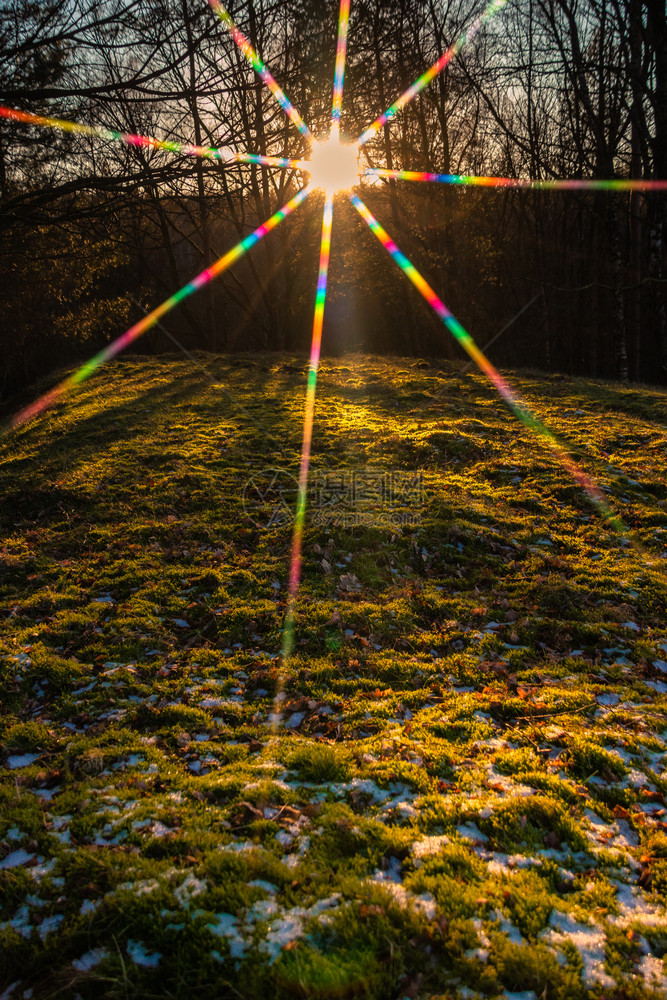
column 455, row 787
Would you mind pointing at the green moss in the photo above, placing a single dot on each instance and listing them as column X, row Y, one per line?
column 319, row 763
column 166, row 798
column 586, row 758
column 517, row 761
column 521, row 821
column 306, row 972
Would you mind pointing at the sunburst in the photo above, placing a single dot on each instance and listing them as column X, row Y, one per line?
column 333, row 166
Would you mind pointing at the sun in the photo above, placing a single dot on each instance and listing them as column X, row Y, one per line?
column 334, row 165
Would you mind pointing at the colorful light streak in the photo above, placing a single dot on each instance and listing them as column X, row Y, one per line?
column 615, row 184
column 97, row 132
column 339, row 75
column 152, row 318
column 468, row 344
column 281, row 162
column 260, row 68
column 430, row 74
column 458, row 331
column 309, row 413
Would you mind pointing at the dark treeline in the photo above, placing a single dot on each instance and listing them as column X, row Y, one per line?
column 93, row 232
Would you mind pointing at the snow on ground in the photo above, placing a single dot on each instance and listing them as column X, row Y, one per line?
column 588, row 939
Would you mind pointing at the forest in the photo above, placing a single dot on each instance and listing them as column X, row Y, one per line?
column 94, row 233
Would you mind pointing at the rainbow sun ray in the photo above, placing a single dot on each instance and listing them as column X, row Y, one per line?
column 430, row 74
column 150, row 320
column 345, row 157
column 308, row 417
column 459, row 332
column 260, row 68
column 521, row 183
column 339, row 74
column 150, row 142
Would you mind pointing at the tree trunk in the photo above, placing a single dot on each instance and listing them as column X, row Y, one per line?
column 635, row 220
column 657, row 34
column 618, row 317
column 209, row 316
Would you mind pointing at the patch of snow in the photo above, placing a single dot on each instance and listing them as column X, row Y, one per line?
column 365, row 785
column 424, row 903
column 16, row 858
column 508, row 928
column 392, row 873
column 481, row 933
column 287, row 928
column 50, row 924
column 227, row 927
column 142, row 887
column 43, row 868
column 633, row 906
column 20, row 922
column 427, row 846
column 588, row 939
column 637, row 779
column 608, row 699
column 290, row 925
column 263, row 909
column 190, row 888
column 652, row 970
column 83, row 690
column 89, row 960
column 22, row 760
column 470, row 831
column 137, row 952
column 46, row 793
column 405, row 809
column 258, row 883
column 658, row 686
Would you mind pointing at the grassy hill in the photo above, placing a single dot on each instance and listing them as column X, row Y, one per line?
column 455, row 788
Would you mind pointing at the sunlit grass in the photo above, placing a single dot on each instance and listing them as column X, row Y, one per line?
column 472, row 745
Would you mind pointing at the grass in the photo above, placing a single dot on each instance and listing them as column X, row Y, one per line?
column 455, row 787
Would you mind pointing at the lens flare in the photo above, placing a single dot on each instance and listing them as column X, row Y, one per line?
column 41, row 404
column 523, row 183
column 309, row 412
column 130, row 139
column 432, row 72
column 468, row 344
column 334, row 165
column 339, row 75
column 260, row 68
column 282, row 162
